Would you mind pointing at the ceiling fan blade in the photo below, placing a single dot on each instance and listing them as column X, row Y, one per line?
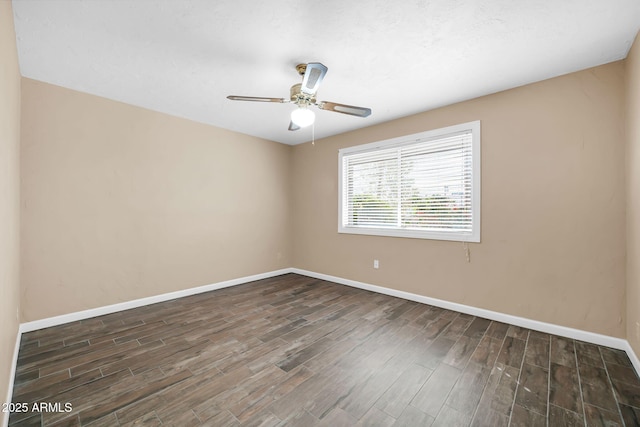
column 255, row 99
column 313, row 77
column 345, row 109
column 293, row 126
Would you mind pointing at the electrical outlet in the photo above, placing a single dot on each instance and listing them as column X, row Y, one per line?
column 376, row 263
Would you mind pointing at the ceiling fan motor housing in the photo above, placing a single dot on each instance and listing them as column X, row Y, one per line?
column 299, row 98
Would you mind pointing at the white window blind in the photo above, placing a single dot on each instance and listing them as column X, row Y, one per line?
column 425, row 185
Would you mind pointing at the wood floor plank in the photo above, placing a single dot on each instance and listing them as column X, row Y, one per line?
column 39, row 383
column 457, row 327
column 338, row 418
column 518, row 332
column 226, row 419
column 623, row 374
column 297, row 351
column 563, row 417
column 41, row 390
column 132, row 359
column 562, row 351
column 327, row 398
column 151, row 419
column 124, row 399
column 461, row 351
column 537, row 352
column 487, row 351
column 49, row 354
column 493, row 409
column 477, row 328
column 431, row 397
column 365, row 393
column 85, row 396
column 377, row 418
column 564, row 390
column 497, row 330
column 450, row 417
column 466, row 394
column 630, row 415
column 139, row 410
column 412, row 416
column 304, row 354
column 616, row 357
column 596, row 388
column 302, row 397
column 109, row 352
column 438, row 350
column 533, row 389
column 257, row 398
column 300, row 418
column 502, row 396
column 522, row 417
column 588, row 354
column 25, row 377
column 512, row 352
column 595, row 416
column 403, row 390
column 627, row 394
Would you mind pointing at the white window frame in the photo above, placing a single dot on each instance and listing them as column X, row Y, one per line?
column 473, row 236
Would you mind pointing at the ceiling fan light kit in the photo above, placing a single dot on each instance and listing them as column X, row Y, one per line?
column 304, row 95
column 302, row 116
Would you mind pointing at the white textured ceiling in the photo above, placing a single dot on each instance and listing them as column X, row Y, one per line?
column 183, row 57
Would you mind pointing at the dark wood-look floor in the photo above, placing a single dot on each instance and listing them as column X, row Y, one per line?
column 293, row 350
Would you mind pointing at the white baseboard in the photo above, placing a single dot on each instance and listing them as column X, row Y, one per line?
column 599, row 339
column 633, row 357
column 108, row 309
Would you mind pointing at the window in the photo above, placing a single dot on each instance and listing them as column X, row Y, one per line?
column 425, row 185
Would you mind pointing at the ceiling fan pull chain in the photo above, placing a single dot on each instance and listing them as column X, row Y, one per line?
column 313, row 134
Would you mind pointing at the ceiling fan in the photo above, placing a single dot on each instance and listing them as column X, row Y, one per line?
column 304, row 95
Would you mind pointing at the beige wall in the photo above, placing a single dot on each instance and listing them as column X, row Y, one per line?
column 632, row 74
column 553, row 207
column 9, row 194
column 121, row 202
